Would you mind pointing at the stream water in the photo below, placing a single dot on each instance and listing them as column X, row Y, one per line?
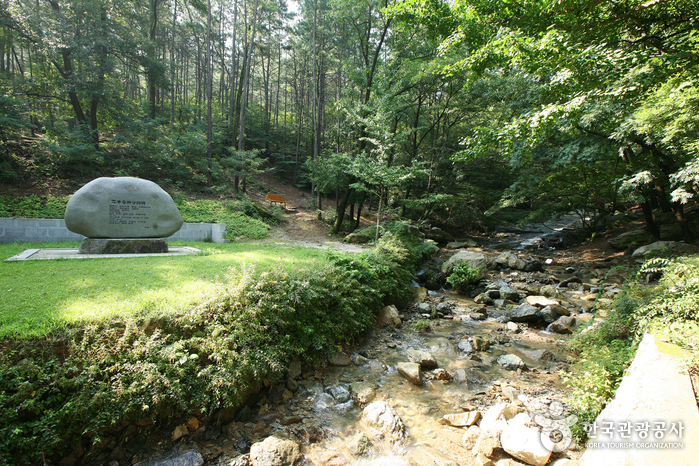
column 474, row 382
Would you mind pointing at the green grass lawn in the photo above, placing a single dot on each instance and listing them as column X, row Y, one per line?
column 37, row 297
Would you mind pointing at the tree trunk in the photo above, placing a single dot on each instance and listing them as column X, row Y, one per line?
column 341, row 212
column 209, row 96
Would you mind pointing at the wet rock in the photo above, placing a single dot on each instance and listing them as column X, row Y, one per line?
column 525, row 313
column 487, row 443
column 459, row 376
column 292, row 385
column 360, row 444
column 511, row 362
column 548, row 356
column 493, row 293
column 541, row 301
column 469, row 243
column 388, row 317
column 480, row 344
column 466, row 346
column 274, row 451
column 507, row 292
column 295, row 369
column 242, row 460
column 474, row 260
column 441, row 374
column 212, row 432
column 550, row 291
column 339, row 392
column 325, row 401
column 410, row 371
column 483, row 299
column 478, row 316
column 179, row 432
column 419, row 294
column 382, row 422
column 424, row 358
column 377, row 366
column 424, row 308
column 548, row 314
column 471, row 437
column 512, row 327
column 192, row 424
column 630, row 238
column 340, row 359
column 493, row 417
column 444, row 308
column 510, row 392
column 656, row 247
column 358, row 360
column 279, row 394
column 563, row 325
column 525, row 444
column 466, row 419
column 363, row 393
column 182, row 458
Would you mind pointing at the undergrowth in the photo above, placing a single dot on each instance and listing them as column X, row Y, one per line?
column 670, row 308
column 85, row 383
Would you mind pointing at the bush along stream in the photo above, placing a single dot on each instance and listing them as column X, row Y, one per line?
column 281, row 368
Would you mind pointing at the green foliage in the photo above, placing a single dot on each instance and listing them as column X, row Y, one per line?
column 92, row 381
column 33, row 206
column 421, row 325
column 463, row 277
column 232, row 213
column 602, row 354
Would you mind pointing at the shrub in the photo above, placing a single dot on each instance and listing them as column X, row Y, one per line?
column 463, row 277
column 93, row 381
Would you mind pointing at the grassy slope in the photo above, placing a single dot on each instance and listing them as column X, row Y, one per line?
column 37, row 297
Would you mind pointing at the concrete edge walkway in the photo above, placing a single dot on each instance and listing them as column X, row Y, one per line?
column 69, row 253
column 653, row 418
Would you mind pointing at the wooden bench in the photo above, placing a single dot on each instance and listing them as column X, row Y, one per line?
column 276, row 199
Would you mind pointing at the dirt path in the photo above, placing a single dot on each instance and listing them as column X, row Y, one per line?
column 302, row 225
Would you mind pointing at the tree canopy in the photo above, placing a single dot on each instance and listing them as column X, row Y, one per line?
column 443, row 112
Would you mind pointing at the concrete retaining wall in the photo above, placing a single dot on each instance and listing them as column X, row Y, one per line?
column 40, row 230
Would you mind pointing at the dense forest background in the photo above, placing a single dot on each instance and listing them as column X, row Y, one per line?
column 441, row 111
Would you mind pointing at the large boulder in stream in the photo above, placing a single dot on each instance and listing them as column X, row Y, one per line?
column 474, row 260
column 382, row 422
column 274, row 451
column 388, row 317
column 525, row 313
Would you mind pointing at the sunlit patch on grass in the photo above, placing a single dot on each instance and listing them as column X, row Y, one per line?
column 37, row 297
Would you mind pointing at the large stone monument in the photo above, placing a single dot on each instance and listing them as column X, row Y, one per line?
column 122, row 215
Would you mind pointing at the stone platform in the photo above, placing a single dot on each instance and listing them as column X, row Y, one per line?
column 123, row 246
column 73, row 253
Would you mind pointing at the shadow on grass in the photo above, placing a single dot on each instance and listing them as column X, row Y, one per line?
column 38, row 297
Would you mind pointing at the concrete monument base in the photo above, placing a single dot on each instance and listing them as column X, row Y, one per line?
column 123, row 246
